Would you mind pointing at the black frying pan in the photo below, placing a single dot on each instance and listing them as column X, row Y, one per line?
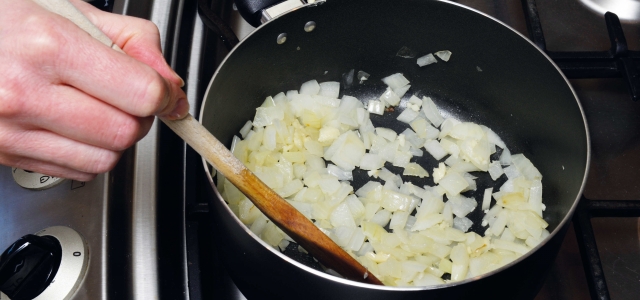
column 495, row 77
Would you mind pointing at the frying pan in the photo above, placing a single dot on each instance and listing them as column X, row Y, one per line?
column 495, row 77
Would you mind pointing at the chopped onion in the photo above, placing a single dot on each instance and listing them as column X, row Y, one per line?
column 371, row 161
column 486, row 198
column 339, row 173
column 390, row 97
column 375, row 107
column 329, row 89
column 386, row 133
column 434, row 148
column 431, row 111
column 246, row 129
column 426, row 60
column 413, row 169
column 306, row 145
column 462, row 224
column 395, row 81
column 402, row 90
column 310, row 87
column 362, row 76
column 444, row 55
column 495, row 170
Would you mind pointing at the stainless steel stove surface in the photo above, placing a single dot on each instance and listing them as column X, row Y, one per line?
column 114, row 215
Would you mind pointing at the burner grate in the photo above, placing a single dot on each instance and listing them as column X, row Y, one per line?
column 586, row 210
column 617, row 62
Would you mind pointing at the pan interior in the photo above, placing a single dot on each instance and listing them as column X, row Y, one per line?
column 494, row 77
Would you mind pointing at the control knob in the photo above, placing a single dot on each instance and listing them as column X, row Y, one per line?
column 29, row 265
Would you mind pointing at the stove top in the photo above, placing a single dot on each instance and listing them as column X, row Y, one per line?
column 576, row 35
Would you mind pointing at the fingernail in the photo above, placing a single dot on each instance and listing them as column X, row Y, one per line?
column 181, row 80
column 180, row 111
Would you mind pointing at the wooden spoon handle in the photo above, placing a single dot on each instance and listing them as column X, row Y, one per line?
column 279, row 211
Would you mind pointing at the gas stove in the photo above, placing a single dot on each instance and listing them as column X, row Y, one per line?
column 144, row 229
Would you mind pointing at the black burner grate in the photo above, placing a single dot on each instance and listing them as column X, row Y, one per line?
column 617, row 62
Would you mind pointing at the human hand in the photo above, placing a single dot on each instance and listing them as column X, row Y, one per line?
column 69, row 105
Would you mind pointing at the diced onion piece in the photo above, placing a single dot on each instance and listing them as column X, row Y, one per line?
column 493, row 137
column 500, row 223
column 341, row 216
column 426, row 221
column 511, row 172
column 535, row 197
column 462, row 206
column 398, row 220
column 362, row 76
column 382, row 217
column 439, row 172
column 462, row 224
column 460, row 259
column 329, row 89
column 387, row 175
column 412, row 137
column 407, row 116
column 414, row 169
column 416, row 101
column 267, row 115
column 390, row 97
column 505, row 157
column 346, row 153
column 495, row 170
column 246, row 129
column 371, row 161
column 486, row 198
column 310, row 87
column 386, row 133
column 431, row 111
column 454, row 183
column 525, row 167
column 328, row 134
column 419, row 125
column 394, row 201
column 444, row 55
column 434, row 148
column 511, row 246
column 369, row 187
column 426, row 60
column 402, row 90
column 339, row 173
column 447, row 125
column 375, row 107
column 395, row 81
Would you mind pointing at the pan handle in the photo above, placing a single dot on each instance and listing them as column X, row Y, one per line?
column 251, row 10
column 255, row 12
column 217, row 25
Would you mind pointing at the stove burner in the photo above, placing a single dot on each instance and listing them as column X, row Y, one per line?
column 627, row 10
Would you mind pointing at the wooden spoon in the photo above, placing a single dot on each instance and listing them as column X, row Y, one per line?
column 279, row 211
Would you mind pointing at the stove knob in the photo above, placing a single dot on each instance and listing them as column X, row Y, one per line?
column 34, row 181
column 29, row 265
